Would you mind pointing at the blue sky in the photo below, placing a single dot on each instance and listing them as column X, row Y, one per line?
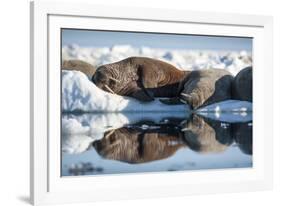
column 92, row 38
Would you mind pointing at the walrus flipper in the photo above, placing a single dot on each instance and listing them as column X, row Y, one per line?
column 144, row 83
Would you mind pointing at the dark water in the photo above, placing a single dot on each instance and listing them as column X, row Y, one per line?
column 95, row 144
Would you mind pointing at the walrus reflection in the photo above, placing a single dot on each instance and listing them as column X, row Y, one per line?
column 140, row 143
column 139, row 77
column 205, row 136
column 243, row 135
column 133, row 145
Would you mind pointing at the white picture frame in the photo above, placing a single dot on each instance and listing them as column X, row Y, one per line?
column 46, row 184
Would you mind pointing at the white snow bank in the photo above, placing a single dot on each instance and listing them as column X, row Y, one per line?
column 233, row 61
column 80, row 94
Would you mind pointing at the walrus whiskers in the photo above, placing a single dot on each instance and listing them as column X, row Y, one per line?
column 116, row 80
column 108, row 88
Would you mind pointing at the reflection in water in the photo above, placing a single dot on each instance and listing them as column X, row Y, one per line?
column 83, row 168
column 207, row 136
column 164, row 143
column 242, row 133
column 140, row 143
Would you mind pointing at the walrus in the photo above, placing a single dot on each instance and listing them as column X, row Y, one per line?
column 203, row 87
column 79, row 65
column 142, row 78
column 242, row 85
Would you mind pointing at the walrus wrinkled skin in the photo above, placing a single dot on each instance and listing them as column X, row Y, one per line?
column 204, row 87
column 139, row 77
column 243, row 84
column 79, row 65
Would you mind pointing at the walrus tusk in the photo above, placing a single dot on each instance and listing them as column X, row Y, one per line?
column 109, row 134
column 108, row 88
column 116, row 80
column 185, row 95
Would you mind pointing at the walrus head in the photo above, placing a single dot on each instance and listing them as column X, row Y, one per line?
column 116, row 78
column 105, row 79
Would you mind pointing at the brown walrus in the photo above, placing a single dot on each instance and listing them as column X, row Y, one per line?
column 79, row 65
column 243, row 84
column 203, row 87
column 139, row 77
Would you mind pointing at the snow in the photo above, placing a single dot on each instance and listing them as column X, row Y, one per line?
column 233, row 61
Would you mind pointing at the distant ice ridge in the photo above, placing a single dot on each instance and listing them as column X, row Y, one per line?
column 233, row 61
column 79, row 94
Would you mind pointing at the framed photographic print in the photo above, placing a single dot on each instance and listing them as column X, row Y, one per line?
column 170, row 103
